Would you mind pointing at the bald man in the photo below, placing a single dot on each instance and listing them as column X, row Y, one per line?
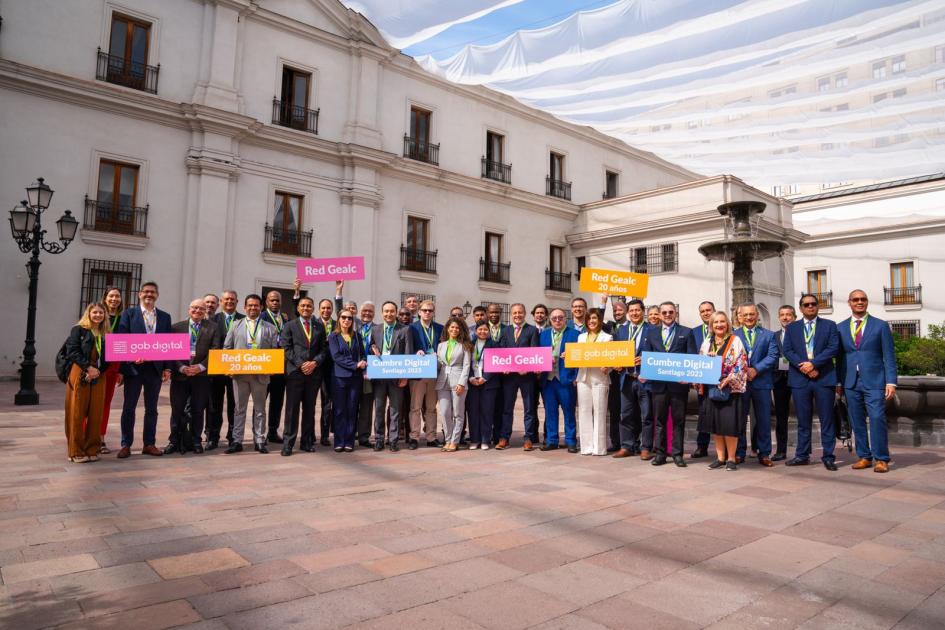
column 189, row 381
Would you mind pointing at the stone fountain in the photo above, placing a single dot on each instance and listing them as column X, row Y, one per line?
column 741, row 247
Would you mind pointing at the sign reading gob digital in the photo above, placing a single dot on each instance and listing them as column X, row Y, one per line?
column 330, row 269
column 610, row 354
column 255, row 362
column 681, row 368
column 516, row 360
column 402, row 366
column 613, row 282
column 156, row 347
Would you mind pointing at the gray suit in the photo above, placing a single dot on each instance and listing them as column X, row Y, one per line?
column 451, row 407
column 254, row 385
column 387, row 390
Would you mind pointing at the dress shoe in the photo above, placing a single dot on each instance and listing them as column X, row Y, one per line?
column 528, row 446
column 739, row 460
column 573, row 449
column 212, row 445
column 309, row 448
column 198, row 449
column 699, row 452
column 234, row 448
column 275, row 438
column 765, row 461
column 262, row 448
column 286, row 451
column 393, row 447
column 862, row 464
column 548, row 447
column 151, row 449
column 339, row 449
column 797, row 461
column 659, row 460
column 778, row 457
column 829, row 465
column 124, row 452
column 624, row 452
column 646, row 455
column 171, row 448
column 679, row 461
column 378, row 446
column 881, row 466
column 412, row 445
column 349, row 449
column 325, row 441
column 502, row 445
column 434, row 444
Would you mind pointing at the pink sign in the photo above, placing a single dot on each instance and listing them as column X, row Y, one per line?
column 330, row 269
column 517, row 360
column 156, row 347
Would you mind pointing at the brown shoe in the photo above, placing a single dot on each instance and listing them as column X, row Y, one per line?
column 739, row 460
column 862, row 464
column 765, row 461
column 502, row 445
column 528, row 446
column 624, row 452
column 124, row 452
column 646, row 455
column 881, row 467
column 152, row 450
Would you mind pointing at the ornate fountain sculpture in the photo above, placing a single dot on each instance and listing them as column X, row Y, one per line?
column 741, row 247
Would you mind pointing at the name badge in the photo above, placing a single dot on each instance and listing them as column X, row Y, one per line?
column 783, row 364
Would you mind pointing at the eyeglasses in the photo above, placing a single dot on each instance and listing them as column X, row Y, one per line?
column 670, row 313
column 426, row 310
column 344, row 317
column 808, row 304
column 557, row 318
column 863, row 299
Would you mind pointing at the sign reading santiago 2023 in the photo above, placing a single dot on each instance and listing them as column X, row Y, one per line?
column 401, row 366
column 681, row 368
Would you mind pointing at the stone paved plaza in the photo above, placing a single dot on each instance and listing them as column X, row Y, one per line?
column 426, row 539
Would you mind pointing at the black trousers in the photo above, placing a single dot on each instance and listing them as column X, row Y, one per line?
column 635, row 414
column 276, row 392
column 663, row 403
column 221, row 386
column 782, row 407
column 300, row 392
column 193, row 392
column 324, row 392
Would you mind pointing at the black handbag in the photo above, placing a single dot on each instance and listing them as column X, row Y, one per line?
column 717, row 394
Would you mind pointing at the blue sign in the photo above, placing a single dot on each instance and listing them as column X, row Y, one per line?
column 681, row 368
column 402, row 366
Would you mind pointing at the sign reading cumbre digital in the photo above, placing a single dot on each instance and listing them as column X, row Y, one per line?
column 402, row 366
column 681, row 368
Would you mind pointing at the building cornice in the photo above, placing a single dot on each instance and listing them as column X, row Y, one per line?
column 699, row 183
column 868, row 196
column 874, row 233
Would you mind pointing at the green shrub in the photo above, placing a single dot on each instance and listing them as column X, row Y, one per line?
column 919, row 356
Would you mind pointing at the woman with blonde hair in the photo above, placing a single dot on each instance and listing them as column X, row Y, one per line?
column 723, row 410
column 453, row 357
column 593, row 387
column 85, row 387
column 114, row 305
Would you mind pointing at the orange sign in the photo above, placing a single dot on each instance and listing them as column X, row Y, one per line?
column 606, row 354
column 613, row 282
column 235, row 362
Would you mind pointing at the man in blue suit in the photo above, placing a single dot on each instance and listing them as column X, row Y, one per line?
column 519, row 335
column 636, row 420
column 557, row 386
column 426, row 337
column 867, row 366
column 810, row 346
column 674, row 338
column 763, row 353
column 706, row 309
column 146, row 318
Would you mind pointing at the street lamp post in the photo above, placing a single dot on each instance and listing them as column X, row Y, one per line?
column 28, row 232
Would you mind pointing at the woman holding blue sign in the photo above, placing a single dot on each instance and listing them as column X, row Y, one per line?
column 723, row 410
column 453, row 363
column 483, row 390
column 348, row 357
column 593, row 388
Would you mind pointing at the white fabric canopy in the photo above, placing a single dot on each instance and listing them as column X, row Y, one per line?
column 777, row 92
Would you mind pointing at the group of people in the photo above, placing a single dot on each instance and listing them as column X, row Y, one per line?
column 605, row 410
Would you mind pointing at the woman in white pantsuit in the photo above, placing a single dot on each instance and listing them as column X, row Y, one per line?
column 593, row 385
column 453, row 361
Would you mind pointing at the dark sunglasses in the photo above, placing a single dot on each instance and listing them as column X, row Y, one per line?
column 344, row 317
column 808, row 304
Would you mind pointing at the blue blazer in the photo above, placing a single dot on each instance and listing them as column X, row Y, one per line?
column 493, row 379
column 345, row 358
column 764, row 356
column 565, row 374
column 622, row 333
column 698, row 335
column 420, row 341
column 684, row 342
column 875, row 358
column 132, row 321
column 826, row 349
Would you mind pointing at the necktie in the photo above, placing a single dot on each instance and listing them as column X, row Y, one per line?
column 308, row 327
column 859, row 333
column 518, row 331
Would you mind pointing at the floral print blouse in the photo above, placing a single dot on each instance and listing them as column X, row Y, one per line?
column 734, row 362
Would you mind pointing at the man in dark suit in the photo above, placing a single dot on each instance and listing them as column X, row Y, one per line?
column 519, row 335
column 780, row 388
column 699, row 333
column 190, row 385
column 668, row 397
column 389, row 337
column 426, row 337
column 557, row 386
column 276, row 392
column 540, row 317
column 497, row 334
column 222, row 385
column 619, row 309
column 811, row 344
column 636, row 418
column 304, row 343
column 763, row 353
column 143, row 375
column 326, row 420
column 867, row 369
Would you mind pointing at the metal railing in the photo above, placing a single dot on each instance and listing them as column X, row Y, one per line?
column 421, row 151
column 558, row 188
column 497, row 170
column 121, row 71
column 902, row 295
column 824, row 299
column 494, row 271
column 295, row 117
column 292, row 242
column 557, row 281
column 417, row 260
column 115, row 218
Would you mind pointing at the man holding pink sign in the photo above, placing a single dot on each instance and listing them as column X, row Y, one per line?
column 521, row 335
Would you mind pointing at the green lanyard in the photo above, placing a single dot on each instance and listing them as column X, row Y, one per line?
column 113, row 323
column 347, row 339
column 276, row 319
column 228, row 320
column 428, row 333
column 388, row 337
column 194, row 331
column 857, row 329
column 749, row 337
column 496, row 332
column 252, row 334
column 668, row 337
column 98, row 345
column 478, row 351
column 449, row 350
column 555, row 338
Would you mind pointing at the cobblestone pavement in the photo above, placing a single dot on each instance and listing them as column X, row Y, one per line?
column 484, row 539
